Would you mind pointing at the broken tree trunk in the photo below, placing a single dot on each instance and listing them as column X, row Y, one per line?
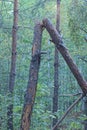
column 56, row 39
column 33, row 78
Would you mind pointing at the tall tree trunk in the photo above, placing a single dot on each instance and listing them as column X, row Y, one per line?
column 56, row 39
column 13, row 67
column 56, row 65
column 33, row 78
column 84, row 109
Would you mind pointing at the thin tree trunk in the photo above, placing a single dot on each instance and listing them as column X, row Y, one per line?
column 56, row 70
column 84, row 109
column 13, row 67
column 56, row 39
column 33, row 78
column 85, row 124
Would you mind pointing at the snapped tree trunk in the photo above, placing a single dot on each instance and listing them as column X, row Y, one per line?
column 56, row 39
column 56, row 69
column 33, row 78
column 13, row 67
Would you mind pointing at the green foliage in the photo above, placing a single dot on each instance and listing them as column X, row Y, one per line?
column 41, row 113
column 75, row 126
column 78, row 21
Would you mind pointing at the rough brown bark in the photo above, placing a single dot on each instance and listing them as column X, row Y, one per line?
column 13, row 67
column 56, row 39
column 33, row 78
column 56, row 69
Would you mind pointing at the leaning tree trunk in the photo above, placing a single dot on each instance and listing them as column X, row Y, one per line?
column 33, row 78
column 13, row 67
column 56, row 68
column 56, row 39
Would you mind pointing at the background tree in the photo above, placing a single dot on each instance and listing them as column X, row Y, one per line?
column 56, row 68
column 13, row 67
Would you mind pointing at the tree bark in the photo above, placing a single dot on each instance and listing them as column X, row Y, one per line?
column 13, row 67
column 56, row 39
column 84, row 109
column 56, row 69
column 33, row 78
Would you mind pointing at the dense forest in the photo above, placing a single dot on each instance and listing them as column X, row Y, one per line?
column 43, row 65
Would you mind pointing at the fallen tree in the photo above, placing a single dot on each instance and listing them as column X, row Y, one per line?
column 34, row 68
column 56, row 38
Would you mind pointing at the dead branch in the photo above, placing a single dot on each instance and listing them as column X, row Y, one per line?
column 68, row 110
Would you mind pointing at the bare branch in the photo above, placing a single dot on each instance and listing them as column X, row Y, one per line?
column 82, row 29
column 68, row 110
column 83, row 58
column 70, row 95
